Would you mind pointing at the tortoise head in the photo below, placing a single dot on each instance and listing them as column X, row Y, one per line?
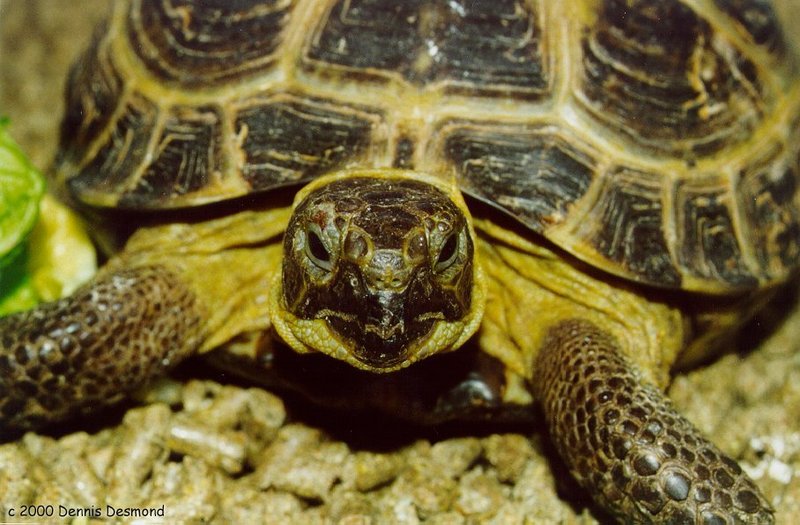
column 378, row 270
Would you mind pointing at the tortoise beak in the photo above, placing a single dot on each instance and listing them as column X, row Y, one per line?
column 385, row 318
column 382, row 320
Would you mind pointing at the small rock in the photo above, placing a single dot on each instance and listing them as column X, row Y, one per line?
column 223, row 449
column 431, row 490
column 454, row 456
column 299, row 462
column 140, row 443
column 508, row 453
column 243, row 504
column 367, row 470
column 479, row 494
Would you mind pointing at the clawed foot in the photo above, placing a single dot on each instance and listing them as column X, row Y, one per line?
column 626, row 444
column 89, row 350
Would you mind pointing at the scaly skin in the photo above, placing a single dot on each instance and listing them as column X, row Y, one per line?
column 623, row 441
column 91, row 349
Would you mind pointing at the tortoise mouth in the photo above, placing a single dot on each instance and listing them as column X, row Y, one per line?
column 384, row 345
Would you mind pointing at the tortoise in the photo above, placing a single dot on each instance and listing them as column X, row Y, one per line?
column 478, row 210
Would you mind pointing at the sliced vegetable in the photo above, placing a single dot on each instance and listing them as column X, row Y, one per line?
column 21, row 188
column 45, row 252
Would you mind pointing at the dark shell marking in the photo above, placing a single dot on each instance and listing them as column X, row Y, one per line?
column 197, row 44
column 632, row 202
column 489, row 46
column 291, row 139
column 666, row 153
column 534, row 173
column 94, row 89
column 758, row 23
column 654, row 70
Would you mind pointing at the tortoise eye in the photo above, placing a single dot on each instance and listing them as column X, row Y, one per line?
column 448, row 253
column 316, row 251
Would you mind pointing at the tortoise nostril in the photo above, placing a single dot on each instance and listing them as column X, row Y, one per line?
column 390, row 280
column 388, row 270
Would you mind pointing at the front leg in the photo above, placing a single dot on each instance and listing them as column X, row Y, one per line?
column 625, row 443
column 91, row 349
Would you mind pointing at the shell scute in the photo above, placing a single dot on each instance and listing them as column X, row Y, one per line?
column 660, row 59
column 185, row 158
column 288, row 139
column 709, row 243
column 486, row 45
column 533, row 173
column 769, row 195
column 109, row 173
column 626, row 225
column 199, row 43
column 94, row 88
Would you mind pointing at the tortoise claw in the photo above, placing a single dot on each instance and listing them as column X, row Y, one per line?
column 626, row 444
column 90, row 349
